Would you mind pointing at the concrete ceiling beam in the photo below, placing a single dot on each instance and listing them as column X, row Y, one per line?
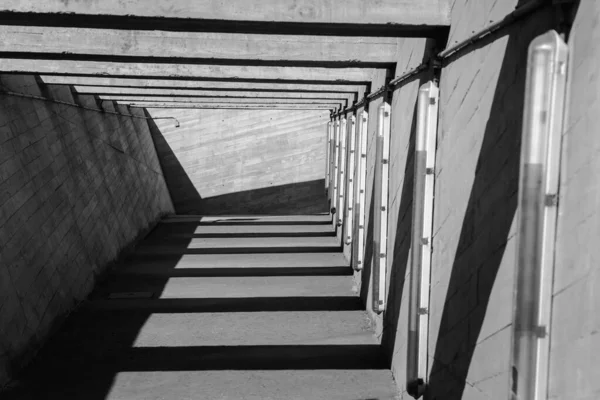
column 408, row 18
column 196, row 47
column 230, row 100
column 230, row 106
column 103, row 91
column 174, row 71
column 124, row 83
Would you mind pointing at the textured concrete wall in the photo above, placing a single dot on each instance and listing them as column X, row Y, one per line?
column 391, row 325
column 575, row 343
column 243, row 161
column 479, row 136
column 478, row 150
column 363, row 278
column 76, row 187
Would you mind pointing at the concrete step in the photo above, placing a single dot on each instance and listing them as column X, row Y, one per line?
column 299, row 243
column 186, row 227
column 140, row 263
column 224, row 304
column 106, row 330
column 229, row 287
column 250, row 219
column 89, row 382
column 167, row 249
column 342, row 384
column 219, row 316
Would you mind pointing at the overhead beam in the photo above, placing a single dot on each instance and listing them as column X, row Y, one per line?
column 123, row 83
column 186, row 72
column 414, row 18
column 231, row 100
column 196, row 47
column 104, row 91
column 230, row 106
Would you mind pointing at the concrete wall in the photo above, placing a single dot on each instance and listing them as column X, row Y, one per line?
column 76, row 187
column 390, row 326
column 243, row 161
column 473, row 265
column 478, row 150
column 574, row 366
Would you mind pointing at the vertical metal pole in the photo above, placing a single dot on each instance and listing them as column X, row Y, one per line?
column 380, row 201
column 545, row 90
column 331, row 161
column 359, row 246
column 420, row 267
column 342, row 177
column 351, row 177
column 335, row 166
column 327, row 156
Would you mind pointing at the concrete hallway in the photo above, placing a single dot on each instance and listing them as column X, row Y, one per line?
column 219, row 308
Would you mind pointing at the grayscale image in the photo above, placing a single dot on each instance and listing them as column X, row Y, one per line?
column 299, row 200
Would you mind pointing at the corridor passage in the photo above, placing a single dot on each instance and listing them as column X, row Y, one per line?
column 219, row 308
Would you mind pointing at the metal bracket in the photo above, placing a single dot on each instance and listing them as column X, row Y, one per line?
column 541, row 331
column 435, row 62
column 551, row 200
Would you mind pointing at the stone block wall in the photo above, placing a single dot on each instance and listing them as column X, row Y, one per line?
column 76, row 188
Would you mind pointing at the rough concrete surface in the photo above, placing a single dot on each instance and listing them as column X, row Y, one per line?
column 278, row 325
column 76, row 188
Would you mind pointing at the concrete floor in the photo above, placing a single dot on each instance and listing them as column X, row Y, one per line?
column 219, row 308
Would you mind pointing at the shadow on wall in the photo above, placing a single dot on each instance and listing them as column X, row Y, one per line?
column 402, row 242
column 403, row 224
column 291, row 199
column 486, row 226
column 294, row 198
column 365, row 274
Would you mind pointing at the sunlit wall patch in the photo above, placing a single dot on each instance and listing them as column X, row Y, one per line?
column 380, row 201
column 420, row 263
column 537, row 212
